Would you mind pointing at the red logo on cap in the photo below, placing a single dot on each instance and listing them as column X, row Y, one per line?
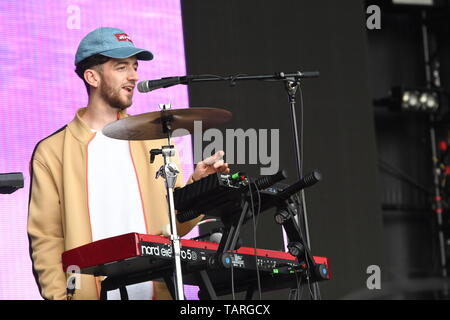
column 123, row 37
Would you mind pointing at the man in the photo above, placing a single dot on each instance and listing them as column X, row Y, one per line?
column 86, row 186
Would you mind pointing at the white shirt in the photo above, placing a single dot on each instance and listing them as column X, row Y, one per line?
column 115, row 205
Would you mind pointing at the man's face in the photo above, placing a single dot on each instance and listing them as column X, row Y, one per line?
column 118, row 79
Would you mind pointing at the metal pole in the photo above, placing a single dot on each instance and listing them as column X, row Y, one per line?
column 170, row 172
column 292, row 87
column 437, row 192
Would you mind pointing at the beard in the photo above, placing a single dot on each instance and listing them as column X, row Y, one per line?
column 113, row 98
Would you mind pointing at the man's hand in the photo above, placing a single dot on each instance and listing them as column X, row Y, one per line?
column 210, row 165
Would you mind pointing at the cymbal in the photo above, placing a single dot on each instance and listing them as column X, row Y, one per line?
column 149, row 126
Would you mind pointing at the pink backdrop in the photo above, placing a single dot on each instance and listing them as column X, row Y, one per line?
column 39, row 93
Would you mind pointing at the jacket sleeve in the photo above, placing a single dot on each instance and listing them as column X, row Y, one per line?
column 186, row 227
column 45, row 232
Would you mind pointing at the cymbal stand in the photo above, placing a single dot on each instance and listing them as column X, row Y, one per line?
column 169, row 172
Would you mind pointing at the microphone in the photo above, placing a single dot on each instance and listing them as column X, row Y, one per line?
column 267, row 181
column 307, row 181
column 150, row 85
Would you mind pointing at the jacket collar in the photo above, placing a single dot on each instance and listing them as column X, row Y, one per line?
column 81, row 130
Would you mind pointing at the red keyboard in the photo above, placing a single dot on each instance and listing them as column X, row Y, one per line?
column 135, row 253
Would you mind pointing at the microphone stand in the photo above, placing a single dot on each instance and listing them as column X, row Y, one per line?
column 292, row 85
column 240, row 77
column 150, row 85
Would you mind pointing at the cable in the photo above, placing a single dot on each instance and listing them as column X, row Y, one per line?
column 233, row 79
column 232, row 281
column 213, row 76
column 256, row 224
column 254, row 238
column 299, row 292
column 259, row 206
column 302, row 201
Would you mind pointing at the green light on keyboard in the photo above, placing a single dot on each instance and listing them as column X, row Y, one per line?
column 274, row 271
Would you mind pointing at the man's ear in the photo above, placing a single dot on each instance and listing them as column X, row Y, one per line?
column 92, row 77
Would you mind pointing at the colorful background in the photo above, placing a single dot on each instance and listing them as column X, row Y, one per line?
column 40, row 93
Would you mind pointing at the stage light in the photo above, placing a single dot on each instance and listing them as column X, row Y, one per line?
column 411, row 100
column 421, row 4
column 432, row 102
column 414, row 2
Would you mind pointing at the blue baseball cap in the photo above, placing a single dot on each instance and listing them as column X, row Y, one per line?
column 109, row 42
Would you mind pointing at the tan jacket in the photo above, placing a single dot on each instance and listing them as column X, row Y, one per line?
column 58, row 217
